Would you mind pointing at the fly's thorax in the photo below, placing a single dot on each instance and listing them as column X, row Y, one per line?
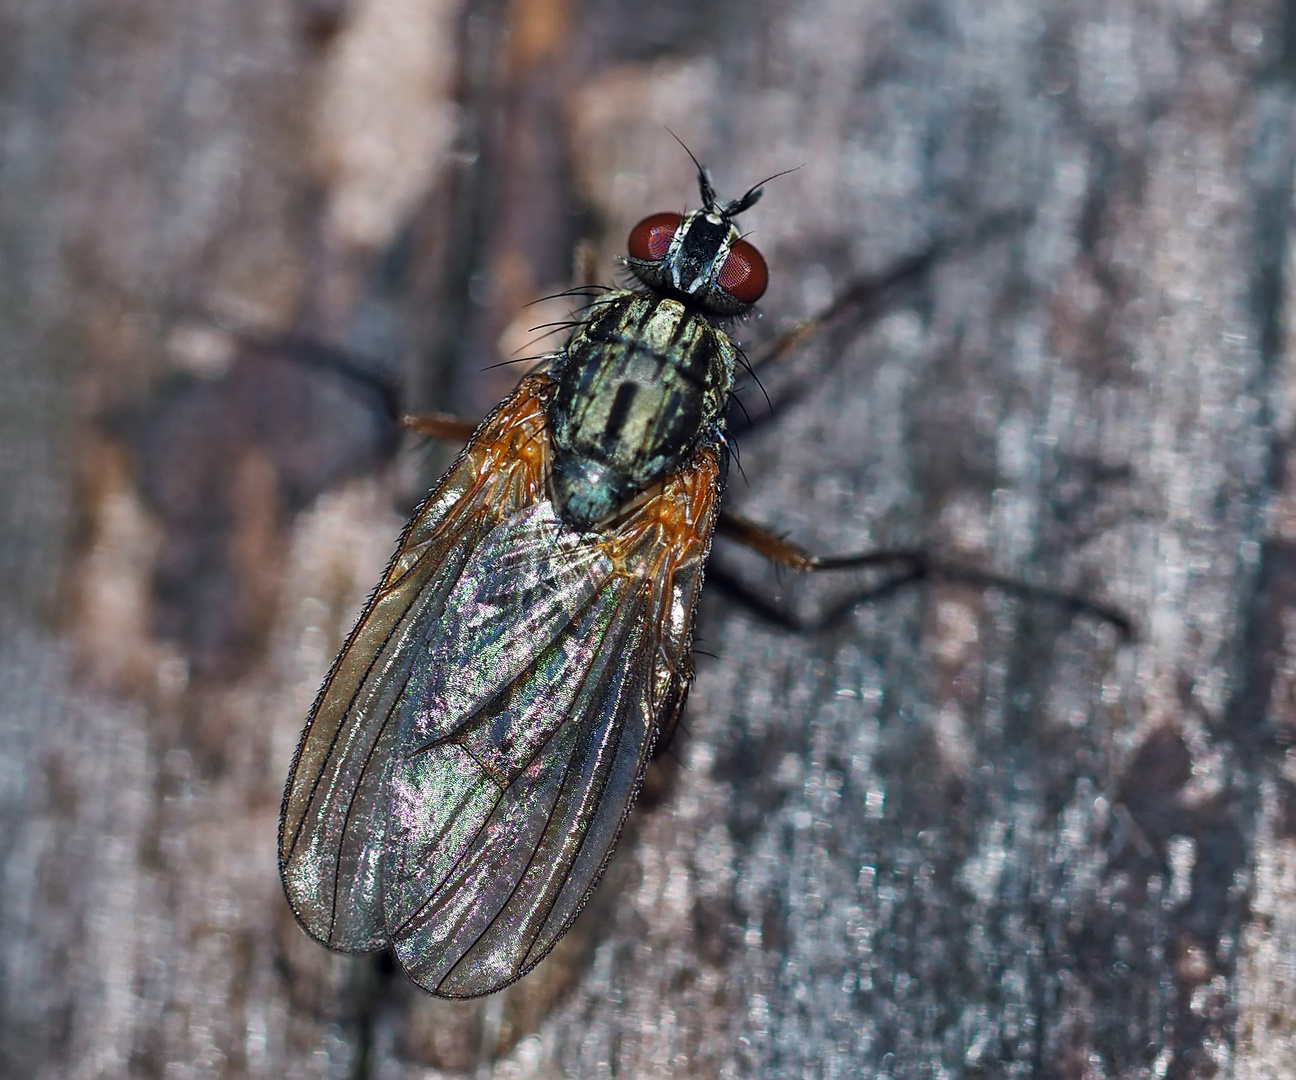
column 642, row 379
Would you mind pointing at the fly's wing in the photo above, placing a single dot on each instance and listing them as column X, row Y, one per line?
column 526, row 731
column 334, row 816
column 471, row 759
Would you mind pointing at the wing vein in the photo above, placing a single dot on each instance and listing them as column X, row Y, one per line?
column 368, row 758
column 604, row 676
column 468, row 848
column 580, row 846
column 345, row 651
column 351, row 800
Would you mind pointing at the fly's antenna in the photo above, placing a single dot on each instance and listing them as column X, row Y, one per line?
column 711, row 202
column 752, row 196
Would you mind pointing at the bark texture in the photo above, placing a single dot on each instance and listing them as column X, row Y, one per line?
column 952, row 831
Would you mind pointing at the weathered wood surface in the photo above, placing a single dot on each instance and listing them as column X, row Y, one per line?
column 956, row 833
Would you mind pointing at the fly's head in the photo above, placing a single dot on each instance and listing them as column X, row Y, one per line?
column 700, row 258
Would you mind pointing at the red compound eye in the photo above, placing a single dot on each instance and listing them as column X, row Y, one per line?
column 651, row 238
column 744, row 274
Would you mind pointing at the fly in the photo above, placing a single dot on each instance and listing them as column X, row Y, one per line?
column 474, row 752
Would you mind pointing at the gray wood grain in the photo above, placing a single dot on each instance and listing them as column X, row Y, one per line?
column 954, row 832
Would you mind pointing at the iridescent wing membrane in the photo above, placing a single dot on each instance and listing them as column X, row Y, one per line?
column 472, row 756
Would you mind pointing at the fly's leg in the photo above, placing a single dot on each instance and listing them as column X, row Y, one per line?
column 908, row 564
column 441, row 426
column 865, row 298
column 773, row 366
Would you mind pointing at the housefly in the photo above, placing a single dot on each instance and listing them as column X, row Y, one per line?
column 470, row 761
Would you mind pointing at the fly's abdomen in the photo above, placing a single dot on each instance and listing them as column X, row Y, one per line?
column 641, row 381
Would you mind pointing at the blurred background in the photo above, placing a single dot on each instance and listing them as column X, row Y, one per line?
column 951, row 832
